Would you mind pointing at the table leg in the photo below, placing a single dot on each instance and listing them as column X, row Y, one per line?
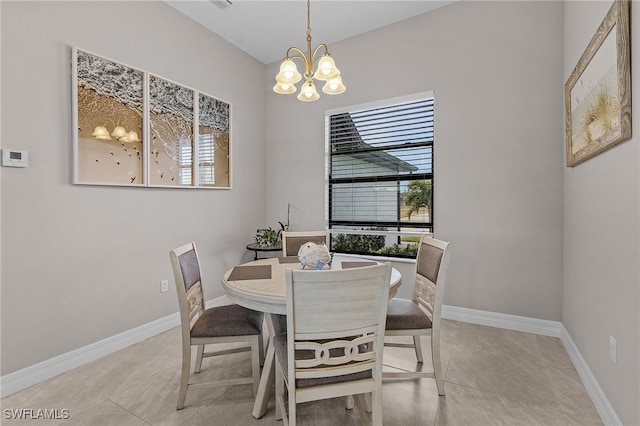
column 267, row 378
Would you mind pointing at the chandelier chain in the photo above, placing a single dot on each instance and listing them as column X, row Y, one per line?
column 308, row 18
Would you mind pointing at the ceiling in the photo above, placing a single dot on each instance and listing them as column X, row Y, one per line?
column 265, row 29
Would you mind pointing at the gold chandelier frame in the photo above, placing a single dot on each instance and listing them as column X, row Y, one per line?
column 324, row 65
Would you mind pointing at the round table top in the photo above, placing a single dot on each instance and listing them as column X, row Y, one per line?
column 269, row 294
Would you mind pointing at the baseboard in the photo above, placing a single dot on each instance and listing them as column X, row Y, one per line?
column 44, row 370
column 600, row 401
column 37, row 373
column 545, row 328
column 506, row 321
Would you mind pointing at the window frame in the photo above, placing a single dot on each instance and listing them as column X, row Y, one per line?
column 398, row 229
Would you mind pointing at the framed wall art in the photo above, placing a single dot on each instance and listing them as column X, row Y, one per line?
column 598, row 91
column 171, row 120
column 135, row 128
column 213, row 142
column 108, row 102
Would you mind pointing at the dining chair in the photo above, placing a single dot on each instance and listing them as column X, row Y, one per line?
column 217, row 325
column 334, row 341
column 420, row 316
column 293, row 240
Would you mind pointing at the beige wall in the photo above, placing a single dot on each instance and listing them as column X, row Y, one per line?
column 601, row 292
column 83, row 263
column 531, row 237
column 497, row 81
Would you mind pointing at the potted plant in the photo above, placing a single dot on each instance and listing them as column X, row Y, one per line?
column 268, row 237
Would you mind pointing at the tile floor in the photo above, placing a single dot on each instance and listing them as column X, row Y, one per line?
column 493, row 377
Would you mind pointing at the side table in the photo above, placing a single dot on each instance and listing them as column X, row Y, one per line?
column 255, row 247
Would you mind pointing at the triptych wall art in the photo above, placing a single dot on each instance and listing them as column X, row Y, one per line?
column 135, row 128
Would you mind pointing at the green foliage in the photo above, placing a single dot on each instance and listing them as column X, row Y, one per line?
column 409, row 239
column 398, row 250
column 352, row 243
column 372, row 244
column 418, row 195
column 268, row 237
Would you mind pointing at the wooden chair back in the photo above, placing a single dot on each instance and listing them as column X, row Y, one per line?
column 432, row 263
column 337, row 311
column 187, row 276
column 293, row 240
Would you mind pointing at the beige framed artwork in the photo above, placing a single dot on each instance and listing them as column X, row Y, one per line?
column 136, row 128
column 598, row 91
column 108, row 119
column 171, row 120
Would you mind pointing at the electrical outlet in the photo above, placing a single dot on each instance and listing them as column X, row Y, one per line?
column 612, row 349
column 164, row 286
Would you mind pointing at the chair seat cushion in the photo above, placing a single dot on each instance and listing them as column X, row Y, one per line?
column 228, row 320
column 403, row 314
column 280, row 347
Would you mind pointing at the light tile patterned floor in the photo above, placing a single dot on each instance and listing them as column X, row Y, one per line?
column 493, row 377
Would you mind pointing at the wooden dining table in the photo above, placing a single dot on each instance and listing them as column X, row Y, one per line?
column 260, row 285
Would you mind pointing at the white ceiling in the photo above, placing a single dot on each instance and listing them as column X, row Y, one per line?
column 266, row 28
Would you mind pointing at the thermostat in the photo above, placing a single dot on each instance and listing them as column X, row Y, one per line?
column 13, row 158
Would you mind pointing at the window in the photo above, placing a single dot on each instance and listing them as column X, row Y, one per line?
column 380, row 176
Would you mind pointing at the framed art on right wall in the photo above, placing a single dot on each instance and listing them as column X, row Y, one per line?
column 598, row 91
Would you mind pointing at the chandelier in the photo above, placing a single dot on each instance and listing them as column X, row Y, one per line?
column 324, row 71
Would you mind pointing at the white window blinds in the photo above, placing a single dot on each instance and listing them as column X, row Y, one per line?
column 381, row 166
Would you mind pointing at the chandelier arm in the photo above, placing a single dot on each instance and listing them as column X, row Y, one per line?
column 315, row 52
column 308, row 64
column 298, row 50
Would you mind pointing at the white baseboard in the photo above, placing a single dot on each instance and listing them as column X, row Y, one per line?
column 545, row 328
column 600, row 401
column 21, row 379
column 506, row 321
column 37, row 373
